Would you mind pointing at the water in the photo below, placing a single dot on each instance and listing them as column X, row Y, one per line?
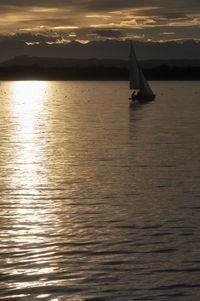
column 99, row 201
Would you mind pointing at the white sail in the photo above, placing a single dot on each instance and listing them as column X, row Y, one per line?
column 138, row 81
column 134, row 71
column 145, row 89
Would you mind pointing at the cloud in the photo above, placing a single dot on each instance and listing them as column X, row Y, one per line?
column 138, row 17
column 28, row 37
column 108, row 33
column 102, row 6
column 167, row 33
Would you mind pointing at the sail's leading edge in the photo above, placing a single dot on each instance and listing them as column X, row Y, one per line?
column 134, row 71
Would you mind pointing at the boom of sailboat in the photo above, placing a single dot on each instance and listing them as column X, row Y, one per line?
column 142, row 91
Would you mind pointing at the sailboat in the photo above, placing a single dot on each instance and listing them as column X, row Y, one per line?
column 138, row 83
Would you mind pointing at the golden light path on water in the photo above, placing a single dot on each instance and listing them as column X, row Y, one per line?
column 27, row 104
column 42, row 215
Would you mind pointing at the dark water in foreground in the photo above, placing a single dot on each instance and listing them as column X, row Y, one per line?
column 99, row 201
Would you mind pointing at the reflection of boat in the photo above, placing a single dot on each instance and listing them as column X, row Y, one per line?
column 141, row 89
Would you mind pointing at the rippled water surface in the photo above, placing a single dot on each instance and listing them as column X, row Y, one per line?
column 99, row 201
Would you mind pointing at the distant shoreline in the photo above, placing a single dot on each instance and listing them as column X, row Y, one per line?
column 99, row 73
column 34, row 68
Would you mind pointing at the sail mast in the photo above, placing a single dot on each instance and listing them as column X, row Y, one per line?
column 134, row 70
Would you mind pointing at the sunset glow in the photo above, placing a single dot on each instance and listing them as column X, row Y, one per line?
column 138, row 17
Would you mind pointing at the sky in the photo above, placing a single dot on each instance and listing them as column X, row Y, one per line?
column 59, row 22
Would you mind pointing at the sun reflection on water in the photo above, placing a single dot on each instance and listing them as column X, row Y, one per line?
column 29, row 223
column 27, row 106
column 28, row 100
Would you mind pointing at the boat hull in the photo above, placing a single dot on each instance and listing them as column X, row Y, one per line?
column 140, row 98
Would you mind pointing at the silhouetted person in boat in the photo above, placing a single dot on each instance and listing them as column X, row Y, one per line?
column 133, row 96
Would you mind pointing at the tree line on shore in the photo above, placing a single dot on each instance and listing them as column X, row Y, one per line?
column 36, row 71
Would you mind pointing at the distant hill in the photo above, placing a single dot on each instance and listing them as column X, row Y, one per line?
column 103, row 49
